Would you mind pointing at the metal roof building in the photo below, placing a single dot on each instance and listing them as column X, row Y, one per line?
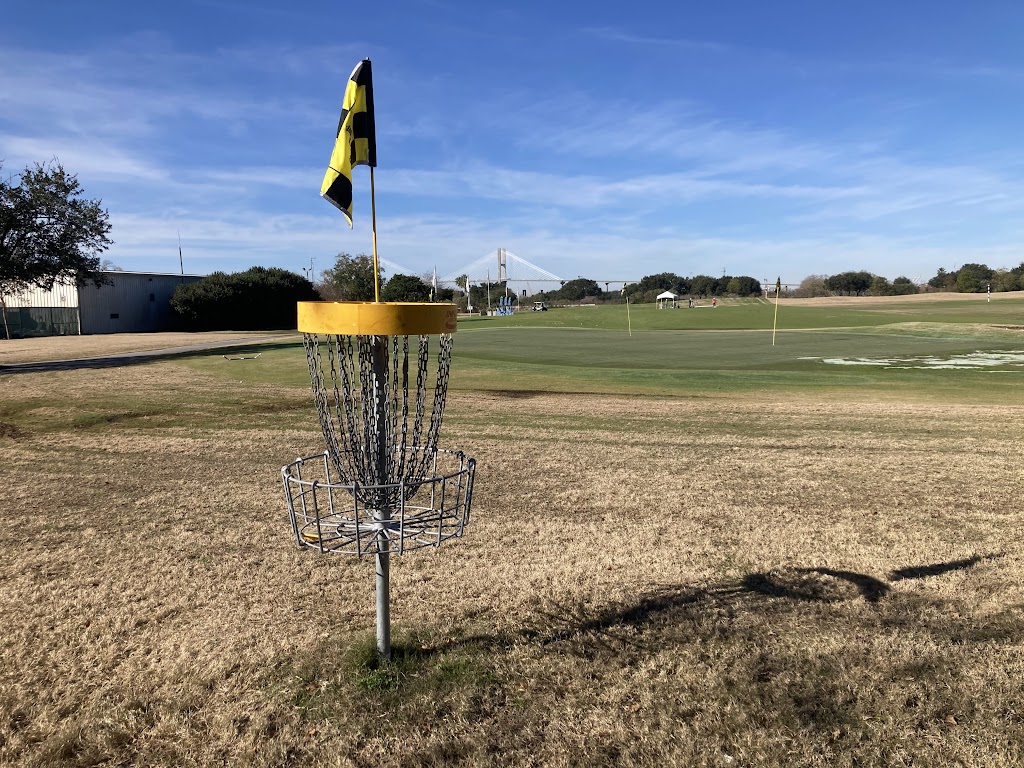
column 128, row 302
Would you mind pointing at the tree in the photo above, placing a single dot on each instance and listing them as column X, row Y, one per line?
column 350, row 279
column 48, row 230
column 742, row 285
column 259, row 298
column 943, row 280
column 811, row 286
column 903, row 286
column 1005, row 280
column 651, row 285
column 973, row 278
column 703, row 285
column 574, row 290
column 850, row 283
column 880, row 286
column 405, row 288
column 483, row 296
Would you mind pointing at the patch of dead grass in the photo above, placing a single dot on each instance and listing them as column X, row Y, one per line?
column 916, row 298
column 670, row 581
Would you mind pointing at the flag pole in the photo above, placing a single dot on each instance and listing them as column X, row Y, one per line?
column 373, row 226
column 629, row 322
column 778, row 290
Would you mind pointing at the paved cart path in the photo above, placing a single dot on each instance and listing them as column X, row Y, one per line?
column 139, row 356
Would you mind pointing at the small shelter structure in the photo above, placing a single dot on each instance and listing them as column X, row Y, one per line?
column 667, row 299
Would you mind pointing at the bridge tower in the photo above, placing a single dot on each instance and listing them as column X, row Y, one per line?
column 502, row 266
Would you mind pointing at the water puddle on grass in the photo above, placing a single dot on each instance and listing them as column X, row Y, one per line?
column 995, row 362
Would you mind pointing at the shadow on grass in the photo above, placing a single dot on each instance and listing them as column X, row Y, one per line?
column 937, row 569
column 147, row 356
column 747, row 634
column 815, row 589
column 755, row 593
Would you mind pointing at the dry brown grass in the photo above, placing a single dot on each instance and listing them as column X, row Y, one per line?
column 915, row 298
column 76, row 347
column 646, row 581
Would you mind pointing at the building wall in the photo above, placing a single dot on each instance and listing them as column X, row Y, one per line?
column 43, row 313
column 131, row 302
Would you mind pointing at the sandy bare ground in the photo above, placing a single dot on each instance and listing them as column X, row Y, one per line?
column 699, row 581
column 76, row 347
column 882, row 301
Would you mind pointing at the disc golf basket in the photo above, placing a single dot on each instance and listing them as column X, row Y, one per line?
column 382, row 485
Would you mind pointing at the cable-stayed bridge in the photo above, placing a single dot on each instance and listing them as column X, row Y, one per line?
column 520, row 276
column 397, row 269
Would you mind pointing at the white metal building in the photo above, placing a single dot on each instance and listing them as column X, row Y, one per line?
column 129, row 302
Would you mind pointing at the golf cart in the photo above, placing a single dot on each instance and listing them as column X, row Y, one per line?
column 540, row 306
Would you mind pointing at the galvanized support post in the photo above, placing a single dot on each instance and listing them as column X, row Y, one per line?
column 382, row 515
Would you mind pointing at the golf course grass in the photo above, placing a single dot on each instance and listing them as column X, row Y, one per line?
column 688, row 546
column 880, row 347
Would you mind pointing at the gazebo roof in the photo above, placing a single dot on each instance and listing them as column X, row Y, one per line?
column 667, row 295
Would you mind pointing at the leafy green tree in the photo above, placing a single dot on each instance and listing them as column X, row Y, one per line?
column 350, row 279
column 259, row 298
column 703, row 285
column 943, row 280
column 850, row 283
column 574, row 290
column 880, row 286
column 405, row 288
column 973, row 278
column 903, row 286
column 651, row 285
column 48, row 230
column 743, row 286
column 1005, row 280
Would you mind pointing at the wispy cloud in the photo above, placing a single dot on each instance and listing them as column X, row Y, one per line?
column 619, row 35
column 234, row 160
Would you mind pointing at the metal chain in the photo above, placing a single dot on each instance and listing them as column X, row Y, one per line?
column 369, row 442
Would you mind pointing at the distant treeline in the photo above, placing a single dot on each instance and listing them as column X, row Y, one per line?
column 700, row 286
column 648, row 288
column 970, row 278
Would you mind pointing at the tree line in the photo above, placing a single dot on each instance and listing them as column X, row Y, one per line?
column 700, row 286
column 969, row 278
column 975, row 278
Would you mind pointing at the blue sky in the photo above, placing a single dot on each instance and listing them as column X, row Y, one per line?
column 603, row 140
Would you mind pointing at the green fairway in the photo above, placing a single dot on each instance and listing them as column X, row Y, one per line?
column 760, row 314
column 944, row 349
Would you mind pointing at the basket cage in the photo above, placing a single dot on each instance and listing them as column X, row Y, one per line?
column 382, row 484
column 329, row 514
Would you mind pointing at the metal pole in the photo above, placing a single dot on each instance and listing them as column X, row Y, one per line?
column 373, row 227
column 382, row 514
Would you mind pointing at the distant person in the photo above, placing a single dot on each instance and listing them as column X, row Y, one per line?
column 714, row 303
column 689, row 302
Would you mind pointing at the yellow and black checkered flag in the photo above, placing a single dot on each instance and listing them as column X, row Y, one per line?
column 356, row 142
